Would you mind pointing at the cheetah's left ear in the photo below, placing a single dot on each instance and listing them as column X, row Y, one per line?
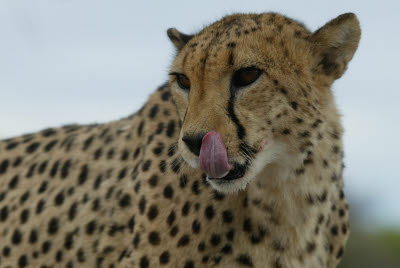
column 178, row 39
column 334, row 45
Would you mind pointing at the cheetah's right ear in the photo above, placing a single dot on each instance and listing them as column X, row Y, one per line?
column 178, row 39
column 334, row 45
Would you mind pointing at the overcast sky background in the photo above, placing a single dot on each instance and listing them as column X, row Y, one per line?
column 93, row 61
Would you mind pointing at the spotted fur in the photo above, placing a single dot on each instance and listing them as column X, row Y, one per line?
column 129, row 194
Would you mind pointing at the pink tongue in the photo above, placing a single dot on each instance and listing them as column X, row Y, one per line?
column 213, row 158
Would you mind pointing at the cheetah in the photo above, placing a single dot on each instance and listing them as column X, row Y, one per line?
column 236, row 161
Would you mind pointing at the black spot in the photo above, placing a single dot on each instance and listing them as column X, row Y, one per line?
column 72, row 211
column 286, row 131
column 294, row 105
column 42, row 167
column 33, row 237
column 32, row 148
column 125, row 201
column 195, row 187
column 137, row 187
column 16, row 237
column 334, row 230
column 230, row 235
column 142, row 205
column 202, row 246
column 31, row 170
column 171, row 218
column 40, row 206
column 165, row 96
column 22, row 261
column 341, row 212
column 176, row 165
column 344, row 228
column 153, row 180
column 164, row 257
column 24, row 216
column 48, row 132
column 46, row 247
column 168, row 191
column 136, row 153
column 162, row 166
column 65, row 169
column 69, row 240
column 310, row 247
column 50, row 145
column 154, row 238
column 227, row 216
column 152, row 213
column 340, row 253
column 146, row 165
column 172, row 149
column 136, row 240
column 218, row 196
column 110, row 153
column 54, row 169
column 53, row 226
column 14, row 182
column 131, row 224
column 87, row 142
column 59, row 199
column 186, row 208
column 4, row 166
column 24, row 197
column 91, row 227
column 17, row 161
column 227, row 249
column 4, row 213
column 80, row 255
column 183, row 241
column 183, row 181
column 171, row 128
column 144, row 262
column 245, row 260
column 140, row 128
column 189, row 264
column 159, row 149
column 83, row 175
column 247, row 225
column 174, row 231
column 230, row 59
column 196, row 226
column 209, row 212
column 215, row 239
column 153, row 111
column 12, row 145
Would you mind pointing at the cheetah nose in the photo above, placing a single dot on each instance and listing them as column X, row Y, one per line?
column 213, row 157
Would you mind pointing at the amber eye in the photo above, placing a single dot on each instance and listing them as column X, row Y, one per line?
column 245, row 76
column 183, row 81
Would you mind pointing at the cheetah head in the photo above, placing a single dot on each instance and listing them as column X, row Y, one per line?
column 254, row 91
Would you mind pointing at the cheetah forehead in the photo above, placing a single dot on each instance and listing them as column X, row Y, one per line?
column 238, row 30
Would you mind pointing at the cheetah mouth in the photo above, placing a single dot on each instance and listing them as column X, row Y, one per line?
column 213, row 160
column 237, row 172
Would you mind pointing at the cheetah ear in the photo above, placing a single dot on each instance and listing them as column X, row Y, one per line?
column 334, row 45
column 178, row 39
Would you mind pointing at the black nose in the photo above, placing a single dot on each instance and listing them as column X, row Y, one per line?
column 193, row 142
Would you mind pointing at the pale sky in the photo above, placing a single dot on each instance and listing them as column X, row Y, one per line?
column 94, row 61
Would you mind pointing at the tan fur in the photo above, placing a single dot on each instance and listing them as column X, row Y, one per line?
column 124, row 194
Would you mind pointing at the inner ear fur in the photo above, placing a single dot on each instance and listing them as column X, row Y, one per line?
column 178, row 39
column 334, row 45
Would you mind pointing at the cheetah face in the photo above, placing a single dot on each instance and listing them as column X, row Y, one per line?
column 247, row 90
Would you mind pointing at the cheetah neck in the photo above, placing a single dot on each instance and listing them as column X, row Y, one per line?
column 291, row 202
